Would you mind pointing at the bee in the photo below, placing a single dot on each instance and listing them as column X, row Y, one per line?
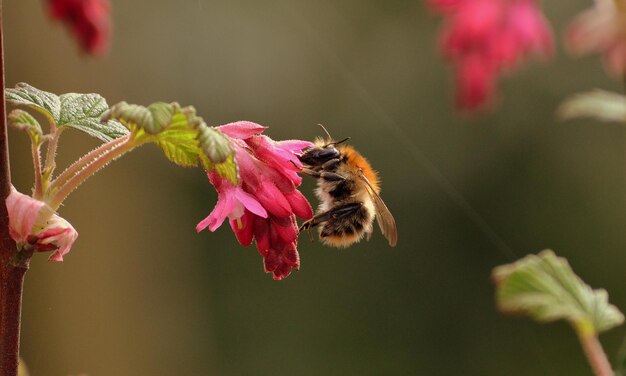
column 348, row 189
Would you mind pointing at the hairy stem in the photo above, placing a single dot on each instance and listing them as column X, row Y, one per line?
column 84, row 161
column 595, row 353
column 87, row 171
column 51, row 152
column 38, row 191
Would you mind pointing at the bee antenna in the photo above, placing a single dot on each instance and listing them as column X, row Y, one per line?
column 330, row 138
column 339, row 142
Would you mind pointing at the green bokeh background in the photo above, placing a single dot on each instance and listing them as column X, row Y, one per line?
column 142, row 294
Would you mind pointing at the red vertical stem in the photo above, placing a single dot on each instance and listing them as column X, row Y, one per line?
column 11, row 270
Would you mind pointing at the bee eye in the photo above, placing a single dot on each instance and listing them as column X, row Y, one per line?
column 317, row 156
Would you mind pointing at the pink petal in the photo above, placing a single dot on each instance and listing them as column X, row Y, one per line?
column 241, row 129
column 615, row 59
column 283, row 230
column 250, row 203
column 272, row 199
column 262, row 234
column 225, row 205
column 475, row 83
column 60, row 234
column 294, row 146
column 245, row 233
column 23, row 212
column 299, row 204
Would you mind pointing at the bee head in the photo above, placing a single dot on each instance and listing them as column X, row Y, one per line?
column 322, row 152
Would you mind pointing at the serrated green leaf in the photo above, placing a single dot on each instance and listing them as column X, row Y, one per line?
column 597, row 104
column 182, row 135
column 214, row 144
column 24, row 121
column 78, row 111
column 83, row 112
column 46, row 103
column 545, row 288
column 179, row 143
column 152, row 119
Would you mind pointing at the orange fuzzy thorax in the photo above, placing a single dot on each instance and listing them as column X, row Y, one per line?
column 356, row 160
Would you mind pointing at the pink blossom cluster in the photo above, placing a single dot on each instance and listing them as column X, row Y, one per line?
column 89, row 20
column 33, row 224
column 263, row 205
column 484, row 38
column 601, row 29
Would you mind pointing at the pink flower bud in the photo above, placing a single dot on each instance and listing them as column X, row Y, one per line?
column 33, row 224
column 601, row 29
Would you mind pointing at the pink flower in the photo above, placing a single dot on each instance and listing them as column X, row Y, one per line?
column 33, row 224
column 601, row 29
column 485, row 38
column 89, row 20
column 263, row 206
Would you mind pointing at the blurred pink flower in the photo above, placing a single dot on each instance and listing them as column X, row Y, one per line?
column 32, row 223
column 89, row 20
column 484, row 38
column 262, row 206
column 601, row 29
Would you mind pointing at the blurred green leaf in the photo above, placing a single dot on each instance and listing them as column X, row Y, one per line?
column 78, row 111
column 545, row 288
column 24, row 121
column 597, row 104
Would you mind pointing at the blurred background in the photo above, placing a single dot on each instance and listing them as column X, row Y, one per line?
column 142, row 294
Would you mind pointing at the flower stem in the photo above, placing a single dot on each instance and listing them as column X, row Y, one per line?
column 51, row 152
column 89, row 165
column 38, row 191
column 595, row 353
column 84, row 161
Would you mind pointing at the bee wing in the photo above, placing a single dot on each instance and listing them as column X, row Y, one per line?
column 385, row 220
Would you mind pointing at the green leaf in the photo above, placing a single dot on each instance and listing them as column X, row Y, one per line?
column 46, row 103
column 545, row 288
column 183, row 136
column 228, row 169
column 153, row 119
column 179, row 142
column 23, row 121
column 597, row 104
column 78, row 111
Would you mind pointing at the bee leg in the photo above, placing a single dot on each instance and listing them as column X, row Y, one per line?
column 331, row 165
column 326, row 175
column 338, row 212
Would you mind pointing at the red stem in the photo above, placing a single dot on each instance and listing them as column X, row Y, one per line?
column 11, row 274
column 12, row 284
column 595, row 354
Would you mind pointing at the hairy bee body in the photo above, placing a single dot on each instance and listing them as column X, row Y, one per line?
column 348, row 190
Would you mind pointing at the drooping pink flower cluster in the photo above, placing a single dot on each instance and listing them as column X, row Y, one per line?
column 601, row 29
column 263, row 204
column 89, row 20
column 33, row 224
column 484, row 38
